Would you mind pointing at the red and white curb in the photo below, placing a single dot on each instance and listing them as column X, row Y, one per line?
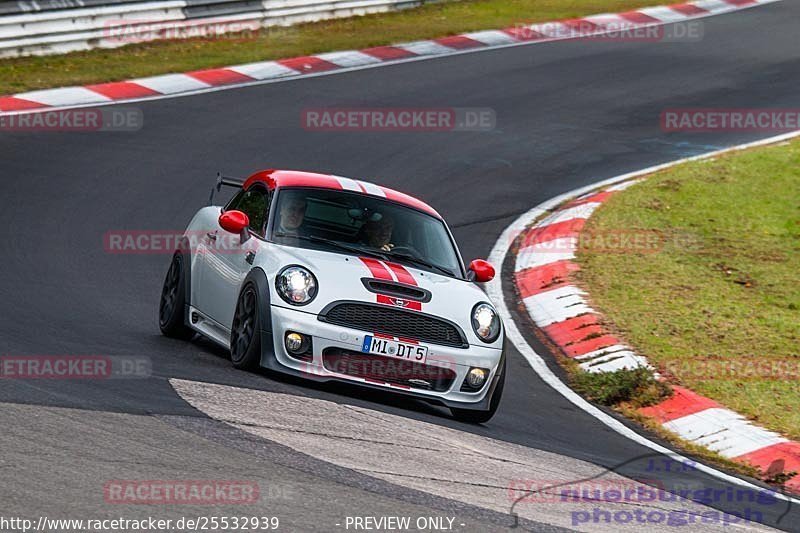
column 543, row 269
column 171, row 85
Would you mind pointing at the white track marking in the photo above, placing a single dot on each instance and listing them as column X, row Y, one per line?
column 491, row 37
column 553, row 30
column 68, row 95
column 171, row 83
column 264, row 70
column 616, row 348
column 495, row 290
column 349, row 58
column 544, row 253
column 579, row 211
column 556, row 305
column 425, row 48
column 623, row 186
column 615, row 21
column 615, row 361
column 723, row 431
column 664, row 14
column 714, row 6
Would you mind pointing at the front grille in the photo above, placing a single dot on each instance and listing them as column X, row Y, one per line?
column 388, row 370
column 378, row 318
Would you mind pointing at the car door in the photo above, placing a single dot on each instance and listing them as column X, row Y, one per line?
column 228, row 260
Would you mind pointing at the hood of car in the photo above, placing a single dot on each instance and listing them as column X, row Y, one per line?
column 366, row 279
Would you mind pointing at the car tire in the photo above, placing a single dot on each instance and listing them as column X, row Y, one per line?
column 479, row 417
column 172, row 305
column 246, row 330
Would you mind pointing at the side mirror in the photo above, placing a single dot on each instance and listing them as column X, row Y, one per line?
column 234, row 221
column 482, row 271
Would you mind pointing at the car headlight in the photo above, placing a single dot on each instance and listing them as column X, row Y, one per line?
column 485, row 322
column 296, row 285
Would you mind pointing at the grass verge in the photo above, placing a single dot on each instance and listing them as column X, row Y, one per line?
column 717, row 306
column 160, row 57
column 636, row 387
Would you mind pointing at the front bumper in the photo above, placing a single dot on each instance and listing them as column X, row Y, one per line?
column 328, row 336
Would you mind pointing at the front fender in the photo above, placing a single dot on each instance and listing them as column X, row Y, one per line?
column 259, row 278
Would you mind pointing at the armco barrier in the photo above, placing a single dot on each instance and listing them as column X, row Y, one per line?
column 61, row 26
column 20, row 7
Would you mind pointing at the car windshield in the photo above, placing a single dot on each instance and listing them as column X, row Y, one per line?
column 357, row 223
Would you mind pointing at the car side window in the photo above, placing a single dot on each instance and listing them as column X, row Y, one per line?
column 255, row 204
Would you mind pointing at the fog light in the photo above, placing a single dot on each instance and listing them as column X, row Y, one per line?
column 295, row 342
column 476, row 377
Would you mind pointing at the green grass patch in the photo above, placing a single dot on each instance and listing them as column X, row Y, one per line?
column 717, row 307
column 428, row 21
column 636, row 387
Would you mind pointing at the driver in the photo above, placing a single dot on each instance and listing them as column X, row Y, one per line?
column 378, row 233
column 292, row 214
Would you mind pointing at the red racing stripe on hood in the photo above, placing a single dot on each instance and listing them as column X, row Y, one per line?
column 376, row 268
column 403, row 275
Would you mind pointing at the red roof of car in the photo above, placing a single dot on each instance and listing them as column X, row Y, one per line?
column 275, row 179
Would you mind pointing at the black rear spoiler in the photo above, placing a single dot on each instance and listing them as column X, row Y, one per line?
column 224, row 180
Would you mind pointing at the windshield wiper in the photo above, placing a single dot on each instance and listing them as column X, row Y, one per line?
column 335, row 244
column 418, row 261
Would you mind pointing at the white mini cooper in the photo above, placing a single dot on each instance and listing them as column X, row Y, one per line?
column 331, row 278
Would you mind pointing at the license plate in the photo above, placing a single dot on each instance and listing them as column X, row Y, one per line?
column 392, row 348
